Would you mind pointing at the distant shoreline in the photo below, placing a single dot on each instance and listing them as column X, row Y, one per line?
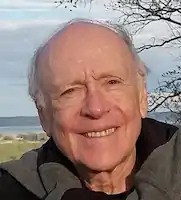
column 15, row 134
column 42, row 136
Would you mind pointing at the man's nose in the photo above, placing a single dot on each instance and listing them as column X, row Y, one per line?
column 95, row 105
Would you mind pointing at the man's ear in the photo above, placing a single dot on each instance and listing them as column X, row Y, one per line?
column 43, row 116
column 142, row 90
column 143, row 101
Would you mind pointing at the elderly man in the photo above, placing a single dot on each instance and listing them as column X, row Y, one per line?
column 89, row 87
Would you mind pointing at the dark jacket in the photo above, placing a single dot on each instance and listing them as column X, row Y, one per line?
column 45, row 173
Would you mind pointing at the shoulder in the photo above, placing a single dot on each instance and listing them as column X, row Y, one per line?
column 161, row 171
column 157, row 129
column 14, row 175
column 153, row 134
column 10, row 188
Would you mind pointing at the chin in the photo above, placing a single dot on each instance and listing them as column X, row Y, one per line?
column 102, row 165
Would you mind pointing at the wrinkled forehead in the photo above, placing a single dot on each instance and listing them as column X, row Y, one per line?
column 84, row 47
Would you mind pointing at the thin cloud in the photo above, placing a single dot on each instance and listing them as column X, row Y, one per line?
column 25, row 3
column 11, row 25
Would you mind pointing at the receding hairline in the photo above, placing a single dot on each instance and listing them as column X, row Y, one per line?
column 43, row 51
column 81, row 24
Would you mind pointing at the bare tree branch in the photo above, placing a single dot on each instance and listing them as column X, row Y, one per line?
column 149, row 46
column 164, row 100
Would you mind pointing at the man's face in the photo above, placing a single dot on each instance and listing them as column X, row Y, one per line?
column 94, row 101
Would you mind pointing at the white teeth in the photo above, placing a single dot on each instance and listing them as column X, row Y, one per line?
column 100, row 133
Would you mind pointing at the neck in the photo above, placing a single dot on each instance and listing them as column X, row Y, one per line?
column 117, row 180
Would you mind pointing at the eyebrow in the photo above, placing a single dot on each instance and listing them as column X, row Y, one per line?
column 108, row 75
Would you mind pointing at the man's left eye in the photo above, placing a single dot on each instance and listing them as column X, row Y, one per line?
column 113, row 81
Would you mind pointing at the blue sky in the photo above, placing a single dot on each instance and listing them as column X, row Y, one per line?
column 25, row 24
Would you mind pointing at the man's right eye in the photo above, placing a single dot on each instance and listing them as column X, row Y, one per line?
column 68, row 91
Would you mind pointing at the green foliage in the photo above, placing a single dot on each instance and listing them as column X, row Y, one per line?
column 14, row 150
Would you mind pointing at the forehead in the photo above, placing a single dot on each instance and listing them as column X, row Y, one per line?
column 84, row 48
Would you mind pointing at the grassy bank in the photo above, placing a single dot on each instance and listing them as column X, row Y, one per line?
column 10, row 150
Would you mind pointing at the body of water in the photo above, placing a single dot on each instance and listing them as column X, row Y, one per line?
column 14, row 125
column 20, row 129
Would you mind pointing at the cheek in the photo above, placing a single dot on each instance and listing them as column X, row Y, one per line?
column 132, row 123
column 127, row 100
column 65, row 113
column 62, row 133
column 62, row 121
column 128, row 104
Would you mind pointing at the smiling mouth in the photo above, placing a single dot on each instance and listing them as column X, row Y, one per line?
column 97, row 134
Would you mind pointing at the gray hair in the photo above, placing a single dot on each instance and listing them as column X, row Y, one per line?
column 34, row 88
